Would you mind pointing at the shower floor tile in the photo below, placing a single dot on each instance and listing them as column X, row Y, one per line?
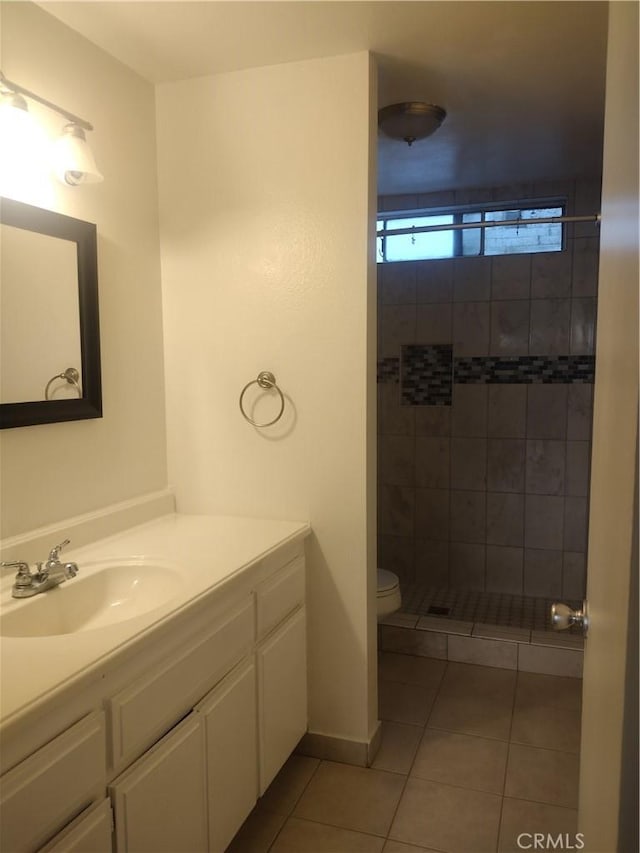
column 486, row 608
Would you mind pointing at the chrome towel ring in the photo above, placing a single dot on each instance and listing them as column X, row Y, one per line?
column 71, row 375
column 265, row 380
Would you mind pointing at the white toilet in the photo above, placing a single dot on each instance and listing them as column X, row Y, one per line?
column 389, row 598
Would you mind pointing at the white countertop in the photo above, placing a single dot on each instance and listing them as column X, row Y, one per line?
column 207, row 551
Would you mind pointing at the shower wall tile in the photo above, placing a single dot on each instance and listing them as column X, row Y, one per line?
column 469, row 411
column 397, row 326
column 510, row 192
column 441, row 198
column 587, row 202
column 542, row 573
column 471, row 322
column 585, row 267
column 579, row 412
column 433, row 421
column 432, row 462
column 432, row 562
column 488, row 489
column 434, row 323
column 505, row 519
column 506, row 465
column 475, row 195
column 467, row 566
column 550, row 326
column 469, row 463
column 578, row 464
column 396, row 460
column 394, row 419
column 510, row 327
column 468, row 516
column 556, row 189
column 551, row 275
column 472, row 279
column 398, row 283
column 432, row 514
column 504, row 569
column 405, row 201
column 547, row 411
column 544, row 522
column 395, row 553
column 511, row 276
column 507, row 411
column 434, row 281
column 545, row 467
column 388, row 371
column 574, row 575
column 396, row 509
column 575, row 524
column 583, row 326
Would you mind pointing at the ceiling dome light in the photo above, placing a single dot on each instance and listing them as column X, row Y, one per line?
column 73, row 159
column 411, row 120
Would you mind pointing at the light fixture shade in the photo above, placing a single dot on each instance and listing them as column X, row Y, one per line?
column 410, row 120
column 23, row 149
column 73, row 159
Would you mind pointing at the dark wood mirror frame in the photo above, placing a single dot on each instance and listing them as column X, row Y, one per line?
column 83, row 234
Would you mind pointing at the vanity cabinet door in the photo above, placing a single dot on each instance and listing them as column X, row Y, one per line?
column 90, row 832
column 230, row 727
column 282, row 694
column 159, row 802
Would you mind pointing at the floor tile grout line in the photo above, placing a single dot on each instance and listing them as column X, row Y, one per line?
column 413, row 760
column 506, row 765
column 289, row 814
column 333, row 826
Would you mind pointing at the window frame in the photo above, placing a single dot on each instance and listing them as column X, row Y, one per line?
column 458, row 212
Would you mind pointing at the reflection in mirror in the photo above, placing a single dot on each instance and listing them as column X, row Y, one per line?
column 50, row 338
column 42, row 272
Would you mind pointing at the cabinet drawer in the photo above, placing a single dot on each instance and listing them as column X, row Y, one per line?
column 141, row 713
column 48, row 789
column 280, row 595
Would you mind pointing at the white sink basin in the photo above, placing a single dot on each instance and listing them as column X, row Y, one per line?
column 106, row 595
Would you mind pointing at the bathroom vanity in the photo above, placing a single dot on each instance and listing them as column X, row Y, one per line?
column 154, row 721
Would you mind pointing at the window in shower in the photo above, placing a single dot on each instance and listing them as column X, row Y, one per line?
column 416, row 245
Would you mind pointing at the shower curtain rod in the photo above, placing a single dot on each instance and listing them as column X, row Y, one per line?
column 464, row 226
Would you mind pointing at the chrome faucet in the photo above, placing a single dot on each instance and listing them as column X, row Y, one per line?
column 46, row 576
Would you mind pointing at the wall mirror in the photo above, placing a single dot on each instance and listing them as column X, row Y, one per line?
column 49, row 326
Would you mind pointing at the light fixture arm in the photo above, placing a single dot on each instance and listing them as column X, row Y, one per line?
column 14, row 87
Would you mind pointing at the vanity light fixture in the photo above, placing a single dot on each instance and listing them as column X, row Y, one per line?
column 16, row 122
column 73, row 159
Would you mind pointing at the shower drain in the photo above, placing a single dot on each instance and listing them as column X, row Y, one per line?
column 435, row 610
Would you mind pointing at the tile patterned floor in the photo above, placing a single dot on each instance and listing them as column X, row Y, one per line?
column 470, row 758
column 494, row 608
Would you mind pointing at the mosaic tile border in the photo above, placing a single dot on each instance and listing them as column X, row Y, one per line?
column 426, row 375
column 525, row 369
column 388, row 370
column 479, row 370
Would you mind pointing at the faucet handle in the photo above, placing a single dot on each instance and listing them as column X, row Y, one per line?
column 54, row 553
column 24, row 576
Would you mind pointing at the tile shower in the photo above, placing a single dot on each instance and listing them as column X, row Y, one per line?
column 485, row 394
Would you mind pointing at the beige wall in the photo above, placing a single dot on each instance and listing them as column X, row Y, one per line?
column 265, row 196
column 51, row 472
